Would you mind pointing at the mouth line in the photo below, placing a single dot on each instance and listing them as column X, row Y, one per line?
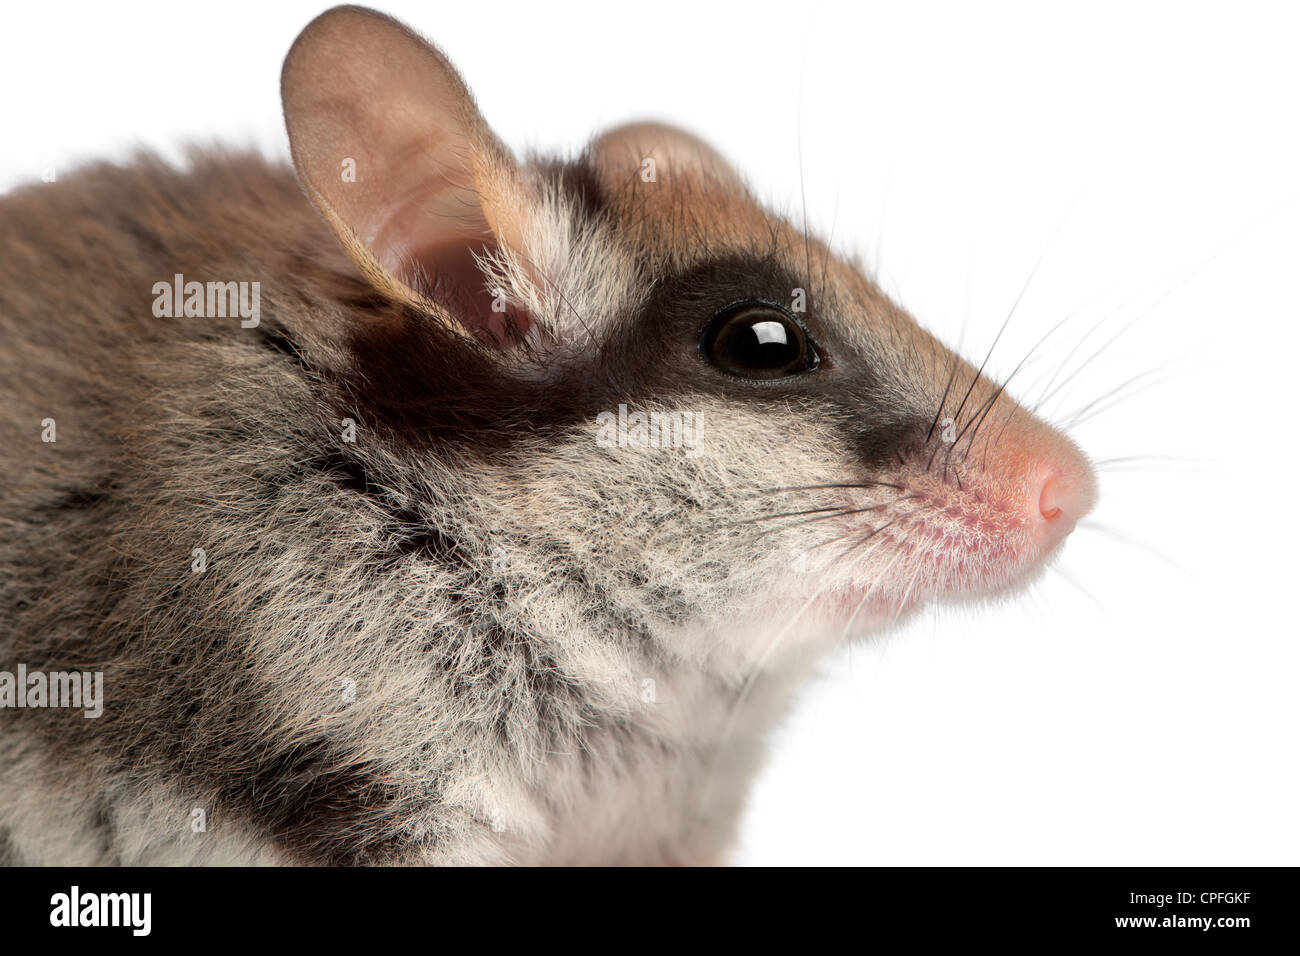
column 934, row 551
column 910, row 535
column 862, row 605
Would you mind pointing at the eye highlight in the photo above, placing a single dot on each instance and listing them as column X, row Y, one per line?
column 755, row 340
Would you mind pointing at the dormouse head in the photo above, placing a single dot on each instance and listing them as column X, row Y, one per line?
column 650, row 389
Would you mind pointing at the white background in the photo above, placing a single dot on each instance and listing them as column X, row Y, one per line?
column 1151, row 720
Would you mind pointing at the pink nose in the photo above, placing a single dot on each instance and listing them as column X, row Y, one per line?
column 1061, row 503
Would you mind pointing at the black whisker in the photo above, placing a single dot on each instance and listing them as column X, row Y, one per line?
column 1007, row 321
column 784, row 514
column 857, row 484
column 1120, row 394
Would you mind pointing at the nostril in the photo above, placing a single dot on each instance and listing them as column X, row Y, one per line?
column 1062, row 501
column 1052, row 500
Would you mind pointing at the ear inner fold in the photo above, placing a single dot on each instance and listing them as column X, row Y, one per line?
column 392, row 150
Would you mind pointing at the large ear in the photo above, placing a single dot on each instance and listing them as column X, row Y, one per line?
column 639, row 151
column 390, row 147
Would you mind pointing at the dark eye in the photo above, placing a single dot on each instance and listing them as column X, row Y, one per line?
column 758, row 341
